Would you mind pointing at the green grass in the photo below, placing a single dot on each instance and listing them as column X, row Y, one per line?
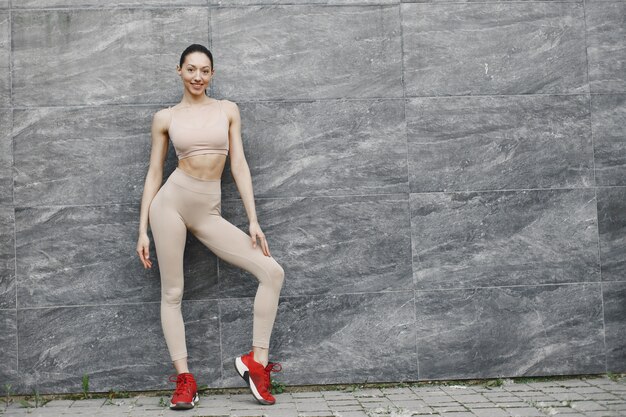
column 163, row 402
column 8, row 399
column 276, row 387
column 614, row 377
column 85, row 386
column 39, row 401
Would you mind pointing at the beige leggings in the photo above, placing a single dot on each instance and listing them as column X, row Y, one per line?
column 186, row 202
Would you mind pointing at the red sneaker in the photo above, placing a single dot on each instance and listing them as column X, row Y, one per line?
column 257, row 377
column 186, row 394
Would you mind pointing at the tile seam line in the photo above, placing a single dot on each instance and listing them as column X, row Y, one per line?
column 213, row 299
column 314, row 99
column 217, row 263
column 269, row 100
column 408, row 181
column 398, row 194
column 280, row 5
column 15, row 280
column 219, row 328
column 487, row 190
column 308, row 296
column 287, row 197
column 511, row 286
column 595, row 182
column 209, row 6
column 228, row 199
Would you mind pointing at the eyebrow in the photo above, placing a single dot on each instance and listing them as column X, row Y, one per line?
column 206, row 66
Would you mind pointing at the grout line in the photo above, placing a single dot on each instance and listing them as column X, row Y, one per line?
column 323, row 295
column 408, row 181
column 11, row 104
column 12, row 138
column 210, row 47
column 43, row 307
column 218, row 260
column 219, row 326
column 595, row 183
column 313, row 196
column 317, row 99
column 509, row 286
column 399, row 194
column 295, row 101
column 268, row 4
column 606, row 353
column 593, row 156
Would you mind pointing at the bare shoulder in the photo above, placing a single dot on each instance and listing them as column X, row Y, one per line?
column 161, row 118
column 230, row 106
column 227, row 102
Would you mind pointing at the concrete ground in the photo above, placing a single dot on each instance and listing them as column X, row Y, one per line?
column 591, row 396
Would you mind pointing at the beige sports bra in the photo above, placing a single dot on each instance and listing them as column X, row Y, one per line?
column 190, row 141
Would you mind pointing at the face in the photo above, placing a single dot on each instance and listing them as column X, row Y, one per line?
column 196, row 72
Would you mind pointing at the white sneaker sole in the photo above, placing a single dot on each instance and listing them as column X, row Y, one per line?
column 185, row 406
column 244, row 372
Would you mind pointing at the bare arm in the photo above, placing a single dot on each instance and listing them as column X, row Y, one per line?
column 153, row 181
column 241, row 174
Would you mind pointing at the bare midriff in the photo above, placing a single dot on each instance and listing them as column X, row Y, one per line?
column 207, row 166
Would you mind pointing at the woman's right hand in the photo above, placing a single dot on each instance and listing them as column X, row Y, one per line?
column 143, row 250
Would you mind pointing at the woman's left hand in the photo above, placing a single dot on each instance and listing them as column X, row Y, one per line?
column 255, row 231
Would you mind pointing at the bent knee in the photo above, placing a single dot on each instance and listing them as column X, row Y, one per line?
column 277, row 274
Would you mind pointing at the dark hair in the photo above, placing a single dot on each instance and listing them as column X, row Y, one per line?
column 196, row 47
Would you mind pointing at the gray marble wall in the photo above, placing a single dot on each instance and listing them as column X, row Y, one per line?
column 443, row 182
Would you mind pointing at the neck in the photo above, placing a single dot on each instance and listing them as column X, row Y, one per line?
column 191, row 100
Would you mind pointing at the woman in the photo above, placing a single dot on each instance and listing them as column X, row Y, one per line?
column 204, row 131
